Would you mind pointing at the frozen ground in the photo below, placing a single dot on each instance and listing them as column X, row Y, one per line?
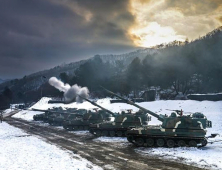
column 209, row 156
column 21, row 151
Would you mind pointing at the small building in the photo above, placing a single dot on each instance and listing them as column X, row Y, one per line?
column 149, row 95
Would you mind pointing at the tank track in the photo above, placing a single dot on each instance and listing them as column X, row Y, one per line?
column 119, row 132
column 55, row 123
column 167, row 141
column 76, row 128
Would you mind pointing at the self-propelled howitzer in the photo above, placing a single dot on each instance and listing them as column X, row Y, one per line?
column 88, row 118
column 175, row 130
column 39, row 117
column 121, row 123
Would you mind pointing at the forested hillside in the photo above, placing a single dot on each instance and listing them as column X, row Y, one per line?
column 189, row 67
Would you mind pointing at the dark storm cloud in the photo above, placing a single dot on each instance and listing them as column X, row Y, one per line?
column 40, row 34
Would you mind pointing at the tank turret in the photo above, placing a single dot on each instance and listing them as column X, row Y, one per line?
column 39, row 117
column 58, row 118
column 177, row 129
column 120, row 124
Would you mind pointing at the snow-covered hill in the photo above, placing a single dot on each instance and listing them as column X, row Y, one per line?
column 160, row 52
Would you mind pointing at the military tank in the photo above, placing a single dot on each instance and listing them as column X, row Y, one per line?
column 59, row 119
column 82, row 123
column 122, row 122
column 176, row 130
column 51, row 113
column 40, row 117
column 44, row 116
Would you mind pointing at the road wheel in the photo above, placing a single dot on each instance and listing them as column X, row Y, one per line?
column 160, row 142
column 80, row 127
column 119, row 133
column 125, row 133
column 86, row 128
column 104, row 133
column 112, row 133
column 65, row 127
column 170, row 143
column 75, row 127
column 139, row 142
column 193, row 143
column 98, row 133
column 130, row 138
column 149, row 142
column 69, row 128
column 181, row 143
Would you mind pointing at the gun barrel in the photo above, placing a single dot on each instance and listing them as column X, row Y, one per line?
column 41, row 110
column 55, row 101
column 93, row 103
column 134, row 104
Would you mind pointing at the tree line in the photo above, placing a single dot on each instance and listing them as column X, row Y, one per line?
column 192, row 68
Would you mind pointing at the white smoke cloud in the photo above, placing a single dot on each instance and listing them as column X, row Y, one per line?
column 71, row 93
column 53, row 81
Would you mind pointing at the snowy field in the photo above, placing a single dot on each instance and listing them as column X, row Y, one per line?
column 21, row 151
column 209, row 156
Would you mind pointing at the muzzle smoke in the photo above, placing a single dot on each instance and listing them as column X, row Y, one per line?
column 71, row 93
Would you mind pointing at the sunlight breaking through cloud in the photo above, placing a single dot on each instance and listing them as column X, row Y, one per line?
column 164, row 21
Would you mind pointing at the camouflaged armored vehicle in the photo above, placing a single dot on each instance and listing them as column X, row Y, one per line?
column 59, row 119
column 38, row 117
column 176, row 129
column 41, row 117
column 51, row 113
column 91, row 117
column 121, row 123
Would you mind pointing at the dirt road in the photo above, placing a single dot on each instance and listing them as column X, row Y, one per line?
column 107, row 155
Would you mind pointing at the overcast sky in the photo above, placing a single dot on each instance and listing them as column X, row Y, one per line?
column 40, row 34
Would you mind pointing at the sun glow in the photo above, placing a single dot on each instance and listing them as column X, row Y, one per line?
column 153, row 34
column 147, row 33
column 164, row 21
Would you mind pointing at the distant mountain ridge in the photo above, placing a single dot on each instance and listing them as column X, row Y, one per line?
column 2, row 81
column 35, row 80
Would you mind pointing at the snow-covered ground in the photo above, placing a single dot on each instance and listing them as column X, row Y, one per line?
column 22, row 151
column 209, row 156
